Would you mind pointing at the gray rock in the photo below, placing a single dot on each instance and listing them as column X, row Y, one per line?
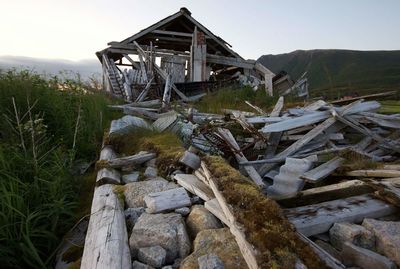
column 139, row 265
column 132, row 214
column 184, row 211
column 150, row 172
column 154, row 256
column 191, row 160
column 387, row 236
column 353, row 255
column 348, row 232
column 134, row 192
column 132, row 177
column 165, row 230
column 210, row 261
column 201, row 219
column 167, row 267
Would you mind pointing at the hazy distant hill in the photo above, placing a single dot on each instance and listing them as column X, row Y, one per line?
column 340, row 69
column 86, row 68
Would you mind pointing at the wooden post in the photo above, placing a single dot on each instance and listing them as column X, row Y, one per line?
column 106, row 242
column 167, row 92
column 198, row 56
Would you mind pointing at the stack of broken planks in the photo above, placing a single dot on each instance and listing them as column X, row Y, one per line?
column 299, row 157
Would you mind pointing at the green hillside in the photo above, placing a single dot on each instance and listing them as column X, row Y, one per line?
column 337, row 72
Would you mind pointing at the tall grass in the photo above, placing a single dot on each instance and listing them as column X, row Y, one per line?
column 44, row 128
column 234, row 98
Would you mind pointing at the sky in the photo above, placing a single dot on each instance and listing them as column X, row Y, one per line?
column 76, row 29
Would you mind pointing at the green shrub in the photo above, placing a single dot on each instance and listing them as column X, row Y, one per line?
column 45, row 126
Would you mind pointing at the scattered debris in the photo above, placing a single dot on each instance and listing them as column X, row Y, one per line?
column 291, row 184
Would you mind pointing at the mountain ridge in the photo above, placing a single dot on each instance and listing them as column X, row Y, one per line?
column 329, row 70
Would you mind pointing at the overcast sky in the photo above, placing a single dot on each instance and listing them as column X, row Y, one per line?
column 76, row 29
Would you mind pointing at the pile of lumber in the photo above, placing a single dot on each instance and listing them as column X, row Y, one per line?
column 304, row 169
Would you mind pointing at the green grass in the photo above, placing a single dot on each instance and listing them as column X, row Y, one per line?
column 43, row 131
column 234, row 98
column 390, row 106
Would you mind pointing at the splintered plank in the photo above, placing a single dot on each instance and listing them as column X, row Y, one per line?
column 251, row 171
column 248, row 251
column 274, row 138
column 193, row 184
column 317, row 174
column 374, row 173
column 131, row 160
column 299, row 144
column 340, row 190
column 319, row 218
column 167, row 200
column 214, row 207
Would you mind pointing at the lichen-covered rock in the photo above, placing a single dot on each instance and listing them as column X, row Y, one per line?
column 165, row 230
column 349, row 232
column 387, row 236
column 134, row 192
column 200, row 219
column 219, row 242
column 154, row 256
column 210, row 261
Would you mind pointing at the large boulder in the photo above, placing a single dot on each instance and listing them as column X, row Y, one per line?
column 165, row 230
column 200, row 219
column 349, row 232
column 136, row 191
column 219, row 242
column 387, row 236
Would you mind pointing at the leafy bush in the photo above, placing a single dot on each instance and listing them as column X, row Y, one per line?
column 45, row 126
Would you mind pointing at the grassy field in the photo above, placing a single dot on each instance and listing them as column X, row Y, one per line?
column 43, row 132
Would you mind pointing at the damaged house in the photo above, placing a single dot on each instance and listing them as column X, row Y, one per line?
column 175, row 57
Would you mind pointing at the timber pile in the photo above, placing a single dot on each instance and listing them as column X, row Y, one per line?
column 306, row 187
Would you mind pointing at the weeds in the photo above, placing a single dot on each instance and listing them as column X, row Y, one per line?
column 45, row 126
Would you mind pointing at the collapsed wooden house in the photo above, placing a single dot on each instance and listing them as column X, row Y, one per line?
column 175, row 54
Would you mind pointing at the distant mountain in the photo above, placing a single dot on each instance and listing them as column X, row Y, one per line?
column 86, row 68
column 331, row 71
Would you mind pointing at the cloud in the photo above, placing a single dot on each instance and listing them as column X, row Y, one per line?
column 86, row 68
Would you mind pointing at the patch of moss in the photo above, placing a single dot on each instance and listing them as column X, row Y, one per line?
column 264, row 224
column 167, row 145
column 119, row 191
column 101, row 164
